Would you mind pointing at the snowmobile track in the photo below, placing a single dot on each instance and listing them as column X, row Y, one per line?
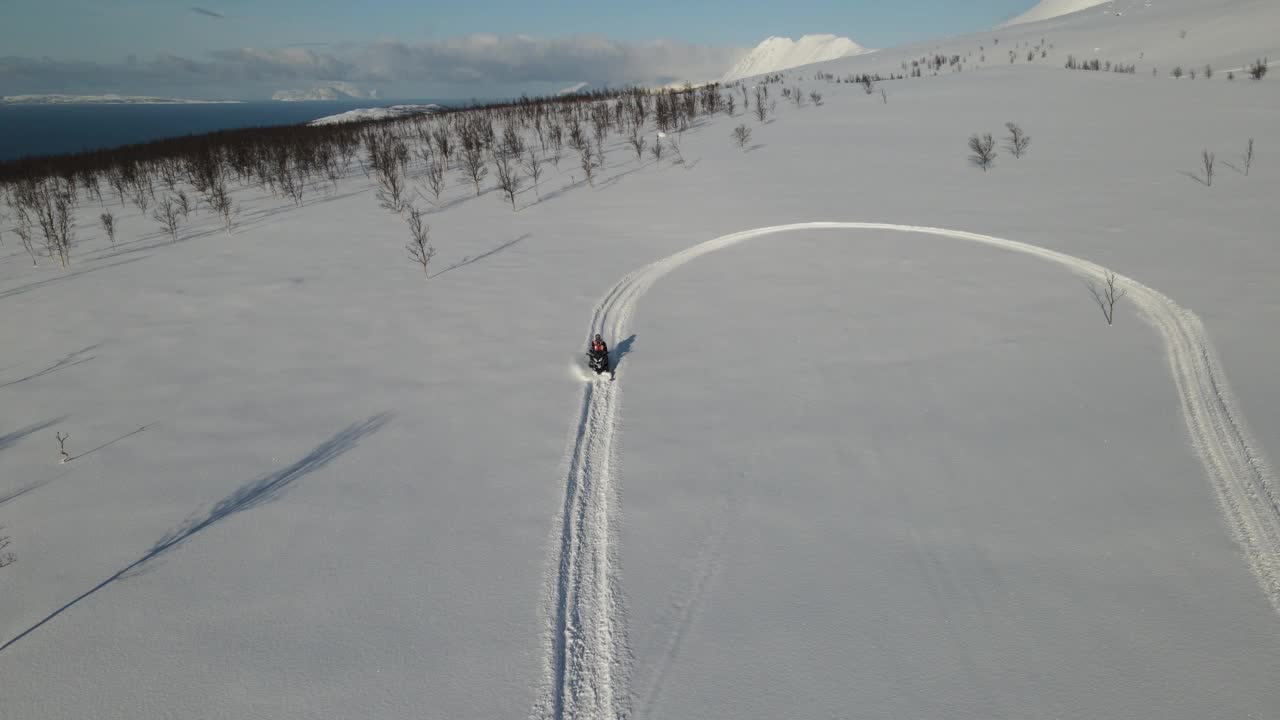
column 587, row 664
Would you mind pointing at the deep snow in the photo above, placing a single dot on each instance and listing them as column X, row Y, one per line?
column 852, row 473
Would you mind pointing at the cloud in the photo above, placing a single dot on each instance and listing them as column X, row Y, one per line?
column 469, row 64
column 208, row 13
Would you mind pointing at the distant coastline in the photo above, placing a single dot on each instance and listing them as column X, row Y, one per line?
column 108, row 99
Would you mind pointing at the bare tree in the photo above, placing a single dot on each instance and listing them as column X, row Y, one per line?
column 184, row 204
column 984, row 151
column 1248, row 156
column 1258, row 69
column 473, row 162
column 435, row 178
column 1107, row 295
column 742, row 135
column 1208, row 72
column 166, row 213
column 508, row 179
column 109, row 226
column 533, row 168
column 24, row 232
column 391, row 186
column 1177, row 72
column 816, row 97
column 637, row 141
column 1018, row 140
column 220, row 200
column 6, row 558
column 588, row 163
column 797, row 97
column 53, row 206
column 1208, row 161
column 62, row 445
column 419, row 247
column 884, row 95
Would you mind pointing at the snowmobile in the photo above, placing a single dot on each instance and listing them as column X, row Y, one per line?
column 598, row 357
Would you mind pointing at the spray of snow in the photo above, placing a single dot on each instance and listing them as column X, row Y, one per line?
column 586, row 673
column 780, row 53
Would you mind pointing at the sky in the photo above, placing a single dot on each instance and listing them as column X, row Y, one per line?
column 424, row 49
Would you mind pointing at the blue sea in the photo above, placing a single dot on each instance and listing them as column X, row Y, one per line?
column 49, row 129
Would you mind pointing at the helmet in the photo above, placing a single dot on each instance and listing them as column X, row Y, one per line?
column 597, row 337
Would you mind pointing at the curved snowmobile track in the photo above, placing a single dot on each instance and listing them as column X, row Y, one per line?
column 588, row 659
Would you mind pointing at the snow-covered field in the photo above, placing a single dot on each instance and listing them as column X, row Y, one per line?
column 845, row 470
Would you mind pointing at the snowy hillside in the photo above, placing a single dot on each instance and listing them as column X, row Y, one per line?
column 380, row 113
column 780, row 53
column 1047, row 9
column 872, row 449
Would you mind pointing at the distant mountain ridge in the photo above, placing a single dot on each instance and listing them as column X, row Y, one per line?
column 781, row 53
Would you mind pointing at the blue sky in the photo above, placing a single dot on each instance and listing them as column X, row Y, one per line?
column 411, row 48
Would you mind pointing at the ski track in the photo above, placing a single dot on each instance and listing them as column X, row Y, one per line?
column 588, row 659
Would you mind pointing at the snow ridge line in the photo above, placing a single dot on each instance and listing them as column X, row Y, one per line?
column 588, row 659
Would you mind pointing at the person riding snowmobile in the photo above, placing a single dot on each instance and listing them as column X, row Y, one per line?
column 598, row 356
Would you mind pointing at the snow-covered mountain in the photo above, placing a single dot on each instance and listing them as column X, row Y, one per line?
column 335, row 90
column 780, row 53
column 1047, row 9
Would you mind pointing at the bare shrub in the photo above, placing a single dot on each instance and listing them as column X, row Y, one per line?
column 24, row 232
column 797, row 97
column 1248, row 156
column 1177, row 72
column 984, row 151
column 184, row 204
column 1107, row 295
column 6, row 558
column 656, row 151
column 1208, row 161
column 637, row 141
column 588, row 164
column 219, row 198
column 742, row 135
column 167, row 214
column 815, row 97
column 884, row 95
column 391, row 186
column 109, row 227
column 1019, row 140
column 761, row 111
column 1258, row 69
column 419, row 247
column 62, row 445
column 1208, row 72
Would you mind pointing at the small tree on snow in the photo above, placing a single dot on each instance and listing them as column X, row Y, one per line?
column 1248, row 156
column 742, row 135
column 508, row 179
column 816, row 97
column 435, row 178
column 1107, row 295
column 533, row 167
column 637, row 142
column 166, row 213
column 588, row 164
column 6, row 558
column 1208, row 160
column 1019, row 140
column 419, row 247
column 884, row 95
column 1258, row 69
column 656, row 151
column 984, row 151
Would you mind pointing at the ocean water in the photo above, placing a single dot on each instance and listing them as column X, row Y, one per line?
column 49, row 129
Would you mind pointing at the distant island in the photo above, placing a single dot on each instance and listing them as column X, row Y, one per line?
column 334, row 90
column 103, row 100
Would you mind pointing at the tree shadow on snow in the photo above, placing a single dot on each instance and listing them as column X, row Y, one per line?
column 252, row 494
column 12, row 438
column 465, row 261
column 622, row 350
column 70, row 360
